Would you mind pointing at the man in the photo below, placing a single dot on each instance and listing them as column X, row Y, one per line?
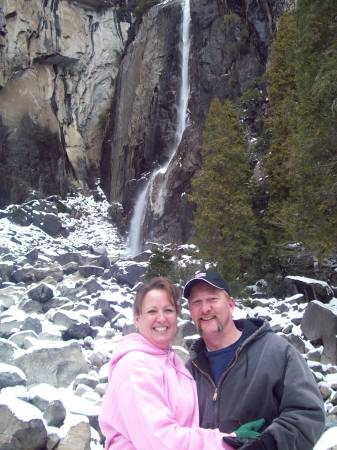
column 245, row 372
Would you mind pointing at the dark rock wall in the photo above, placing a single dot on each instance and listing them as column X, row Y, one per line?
column 229, row 52
column 141, row 127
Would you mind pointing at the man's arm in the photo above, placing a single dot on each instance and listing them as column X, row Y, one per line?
column 301, row 419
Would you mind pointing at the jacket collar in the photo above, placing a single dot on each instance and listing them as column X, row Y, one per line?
column 252, row 329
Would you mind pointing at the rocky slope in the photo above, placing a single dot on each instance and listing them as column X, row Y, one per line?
column 66, row 293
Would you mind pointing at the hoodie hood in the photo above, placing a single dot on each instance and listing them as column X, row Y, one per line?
column 135, row 342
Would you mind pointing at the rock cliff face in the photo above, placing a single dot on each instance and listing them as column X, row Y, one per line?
column 229, row 53
column 76, row 104
column 59, row 60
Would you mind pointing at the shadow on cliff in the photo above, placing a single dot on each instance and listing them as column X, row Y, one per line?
column 33, row 162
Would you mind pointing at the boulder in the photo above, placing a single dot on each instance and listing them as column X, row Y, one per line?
column 61, row 363
column 76, row 432
column 21, row 425
column 92, row 286
column 11, row 324
column 32, row 324
column 86, row 379
column 296, row 341
column 50, row 224
column 11, row 376
column 319, row 323
column 83, row 407
column 70, row 267
column 87, row 271
column 19, row 339
column 6, row 270
column 48, row 400
column 130, row 274
column 41, row 293
column 310, row 288
column 7, row 350
column 30, row 306
column 107, row 307
column 10, row 295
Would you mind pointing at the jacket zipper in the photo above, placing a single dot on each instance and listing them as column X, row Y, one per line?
column 215, row 395
column 216, row 387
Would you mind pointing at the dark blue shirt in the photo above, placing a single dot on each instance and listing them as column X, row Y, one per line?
column 220, row 359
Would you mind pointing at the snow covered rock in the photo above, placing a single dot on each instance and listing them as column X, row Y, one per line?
column 129, row 273
column 61, row 362
column 21, row 425
column 320, row 323
column 311, row 289
column 7, row 350
column 21, row 338
column 41, row 293
column 11, row 376
column 48, row 400
column 76, row 434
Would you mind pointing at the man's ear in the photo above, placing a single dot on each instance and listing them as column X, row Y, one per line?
column 232, row 302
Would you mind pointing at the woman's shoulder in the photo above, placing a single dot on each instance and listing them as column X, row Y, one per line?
column 138, row 359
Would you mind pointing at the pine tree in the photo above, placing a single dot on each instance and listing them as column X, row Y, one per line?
column 280, row 161
column 316, row 181
column 224, row 222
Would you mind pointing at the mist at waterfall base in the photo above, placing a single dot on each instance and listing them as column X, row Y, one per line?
column 153, row 194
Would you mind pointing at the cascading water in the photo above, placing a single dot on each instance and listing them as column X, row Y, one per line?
column 157, row 178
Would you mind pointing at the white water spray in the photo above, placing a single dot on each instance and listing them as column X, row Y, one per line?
column 156, row 188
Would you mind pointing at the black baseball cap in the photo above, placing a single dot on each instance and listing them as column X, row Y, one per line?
column 212, row 278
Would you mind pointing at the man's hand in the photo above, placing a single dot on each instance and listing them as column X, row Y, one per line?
column 250, row 430
column 264, row 442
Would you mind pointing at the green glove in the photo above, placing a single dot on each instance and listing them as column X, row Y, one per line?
column 250, row 430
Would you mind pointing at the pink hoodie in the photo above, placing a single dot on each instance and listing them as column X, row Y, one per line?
column 151, row 402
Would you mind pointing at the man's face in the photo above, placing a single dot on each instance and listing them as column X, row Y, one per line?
column 211, row 309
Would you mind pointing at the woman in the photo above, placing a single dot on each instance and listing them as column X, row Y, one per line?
column 151, row 400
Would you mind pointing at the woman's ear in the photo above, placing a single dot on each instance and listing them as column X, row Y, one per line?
column 135, row 321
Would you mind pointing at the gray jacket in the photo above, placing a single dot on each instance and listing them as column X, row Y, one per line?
column 268, row 379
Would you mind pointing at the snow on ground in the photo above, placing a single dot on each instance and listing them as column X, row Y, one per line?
column 90, row 225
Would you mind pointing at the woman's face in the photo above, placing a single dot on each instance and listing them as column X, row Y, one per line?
column 157, row 321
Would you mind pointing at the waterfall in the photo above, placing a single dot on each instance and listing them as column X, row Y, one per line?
column 157, row 179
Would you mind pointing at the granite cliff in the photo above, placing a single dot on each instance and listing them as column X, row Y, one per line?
column 59, row 61
column 89, row 92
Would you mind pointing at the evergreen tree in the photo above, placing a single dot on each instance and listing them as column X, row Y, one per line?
column 224, row 222
column 316, row 181
column 283, row 126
